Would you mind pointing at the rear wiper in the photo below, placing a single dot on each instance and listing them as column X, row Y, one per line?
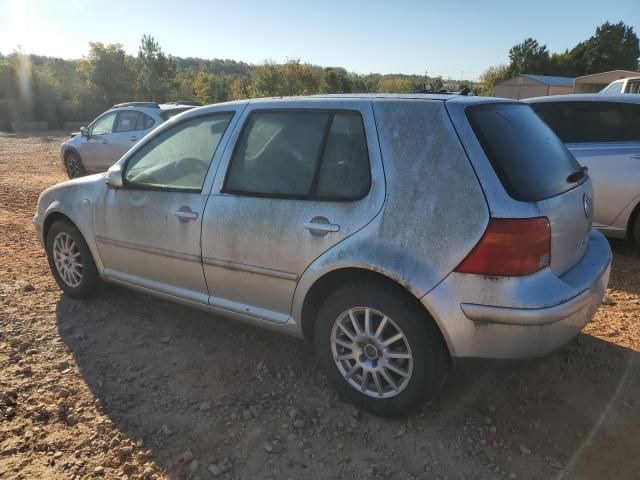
column 578, row 175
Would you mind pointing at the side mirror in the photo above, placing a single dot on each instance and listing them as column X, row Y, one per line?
column 113, row 177
column 84, row 131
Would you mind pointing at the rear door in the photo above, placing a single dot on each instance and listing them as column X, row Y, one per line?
column 605, row 137
column 301, row 177
column 526, row 171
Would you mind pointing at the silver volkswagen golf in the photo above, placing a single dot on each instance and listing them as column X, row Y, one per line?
column 395, row 232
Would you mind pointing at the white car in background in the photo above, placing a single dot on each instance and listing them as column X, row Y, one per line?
column 624, row 85
column 603, row 133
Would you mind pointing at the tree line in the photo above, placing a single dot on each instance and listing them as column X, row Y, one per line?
column 54, row 90
column 37, row 88
column 613, row 46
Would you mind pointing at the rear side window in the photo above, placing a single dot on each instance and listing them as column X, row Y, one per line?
column 530, row 160
column 633, row 86
column 301, row 154
column 589, row 122
column 145, row 122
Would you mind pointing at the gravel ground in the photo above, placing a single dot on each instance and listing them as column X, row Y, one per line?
column 128, row 386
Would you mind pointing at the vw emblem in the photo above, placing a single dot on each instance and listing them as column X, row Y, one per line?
column 586, row 203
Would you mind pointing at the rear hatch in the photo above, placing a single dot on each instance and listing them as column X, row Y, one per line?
column 538, row 175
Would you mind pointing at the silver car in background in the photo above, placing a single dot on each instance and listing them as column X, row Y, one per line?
column 96, row 147
column 395, row 232
column 603, row 133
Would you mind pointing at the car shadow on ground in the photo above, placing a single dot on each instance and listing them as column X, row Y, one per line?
column 182, row 379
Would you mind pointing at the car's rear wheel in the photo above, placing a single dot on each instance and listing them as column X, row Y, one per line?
column 74, row 166
column 71, row 261
column 635, row 231
column 380, row 350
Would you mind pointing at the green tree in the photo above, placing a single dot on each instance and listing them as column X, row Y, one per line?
column 110, row 72
column 528, row 57
column 492, row 76
column 156, row 71
column 612, row 47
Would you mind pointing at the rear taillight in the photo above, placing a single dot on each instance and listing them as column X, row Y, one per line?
column 511, row 247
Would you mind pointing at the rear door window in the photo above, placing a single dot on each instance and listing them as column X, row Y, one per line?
column 530, row 160
column 592, row 122
column 303, row 154
column 145, row 122
column 126, row 121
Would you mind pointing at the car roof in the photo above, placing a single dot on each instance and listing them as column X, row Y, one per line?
column 362, row 97
column 588, row 97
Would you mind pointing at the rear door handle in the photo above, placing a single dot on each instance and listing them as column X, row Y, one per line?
column 321, row 226
column 105, row 141
column 185, row 215
column 636, row 156
column 133, row 139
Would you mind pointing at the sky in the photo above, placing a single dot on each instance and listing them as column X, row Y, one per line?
column 457, row 40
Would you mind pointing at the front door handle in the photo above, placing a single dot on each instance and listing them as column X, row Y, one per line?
column 185, row 215
column 636, row 156
column 321, row 226
column 105, row 142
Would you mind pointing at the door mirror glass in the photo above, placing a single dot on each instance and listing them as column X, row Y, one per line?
column 113, row 177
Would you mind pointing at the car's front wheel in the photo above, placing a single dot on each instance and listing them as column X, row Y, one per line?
column 71, row 261
column 74, row 166
column 380, row 350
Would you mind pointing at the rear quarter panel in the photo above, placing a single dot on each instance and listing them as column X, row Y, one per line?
column 434, row 211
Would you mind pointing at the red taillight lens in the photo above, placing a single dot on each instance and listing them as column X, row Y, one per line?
column 511, row 247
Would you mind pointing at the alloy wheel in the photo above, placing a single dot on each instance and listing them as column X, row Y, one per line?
column 67, row 259
column 371, row 352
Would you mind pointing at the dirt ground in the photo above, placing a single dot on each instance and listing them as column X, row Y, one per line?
column 128, row 386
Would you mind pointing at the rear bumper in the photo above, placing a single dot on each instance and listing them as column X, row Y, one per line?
column 515, row 318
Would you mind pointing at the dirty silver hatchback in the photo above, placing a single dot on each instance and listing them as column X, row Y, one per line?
column 395, row 232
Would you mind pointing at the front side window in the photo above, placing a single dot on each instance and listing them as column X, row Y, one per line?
column 615, row 87
column 592, row 122
column 126, row 121
column 179, row 158
column 301, row 154
column 104, row 124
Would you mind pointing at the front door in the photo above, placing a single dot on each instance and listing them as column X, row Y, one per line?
column 96, row 147
column 148, row 231
column 298, row 181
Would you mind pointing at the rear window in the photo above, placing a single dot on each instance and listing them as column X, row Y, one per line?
column 589, row 122
column 530, row 160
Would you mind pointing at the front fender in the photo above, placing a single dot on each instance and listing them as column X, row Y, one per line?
column 74, row 200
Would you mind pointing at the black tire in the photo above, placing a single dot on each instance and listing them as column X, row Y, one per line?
column 73, row 164
column 634, row 232
column 431, row 362
column 90, row 280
